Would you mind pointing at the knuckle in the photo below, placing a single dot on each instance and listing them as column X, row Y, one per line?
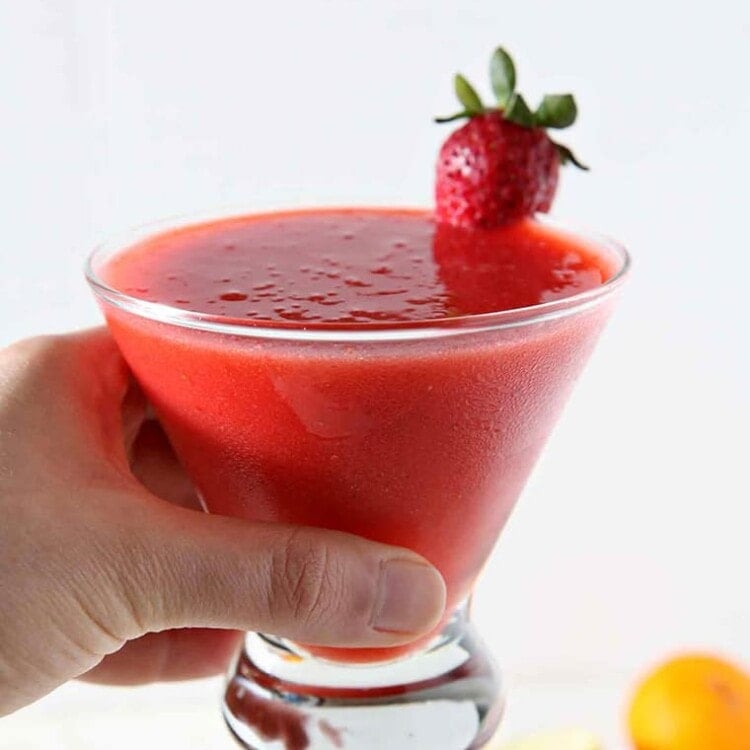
column 28, row 367
column 139, row 588
column 59, row 353
column 29, row 374
column 34, row 352
column 106, row 627
column 308, row 575
column 134, row 566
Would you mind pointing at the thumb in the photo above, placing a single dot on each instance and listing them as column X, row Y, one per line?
column 182, row 568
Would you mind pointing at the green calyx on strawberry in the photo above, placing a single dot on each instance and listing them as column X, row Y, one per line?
column 501, row 165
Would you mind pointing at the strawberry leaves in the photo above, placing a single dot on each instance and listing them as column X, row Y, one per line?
column 555, row 111
column 502, row 76
column 518, row 111
column 559, row 111
column 467, row 95
column 568, row 157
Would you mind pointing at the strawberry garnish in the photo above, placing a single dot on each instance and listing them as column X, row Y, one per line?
column 501, row 165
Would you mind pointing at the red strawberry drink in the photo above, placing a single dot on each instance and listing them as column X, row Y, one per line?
column 422, row 444
column 386, row 372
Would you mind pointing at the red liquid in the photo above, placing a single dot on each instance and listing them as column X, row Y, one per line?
column 420, row 443
column 355, row 266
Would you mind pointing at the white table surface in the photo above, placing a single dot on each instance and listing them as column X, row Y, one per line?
column 186, row 715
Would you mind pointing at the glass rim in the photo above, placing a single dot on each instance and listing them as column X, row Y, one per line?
column 346, row 332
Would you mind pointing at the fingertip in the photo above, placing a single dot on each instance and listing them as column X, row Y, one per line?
column 411, row 597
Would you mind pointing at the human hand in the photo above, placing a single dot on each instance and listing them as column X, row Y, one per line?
column 104, row 561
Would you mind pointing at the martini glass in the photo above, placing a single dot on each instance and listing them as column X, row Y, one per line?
column 418, row 434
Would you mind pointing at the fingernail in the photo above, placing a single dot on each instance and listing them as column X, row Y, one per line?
column 410, row 599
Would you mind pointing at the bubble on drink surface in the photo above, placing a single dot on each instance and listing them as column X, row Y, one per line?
column 233, row 296
column 355, row 282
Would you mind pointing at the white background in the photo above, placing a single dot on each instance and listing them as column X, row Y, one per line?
column 632, row 538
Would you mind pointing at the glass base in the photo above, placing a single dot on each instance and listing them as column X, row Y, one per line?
column 447, row 697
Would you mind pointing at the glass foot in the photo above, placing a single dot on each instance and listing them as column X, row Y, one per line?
column 447, row 697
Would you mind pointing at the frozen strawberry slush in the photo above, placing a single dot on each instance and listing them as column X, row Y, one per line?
column 423, row 440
